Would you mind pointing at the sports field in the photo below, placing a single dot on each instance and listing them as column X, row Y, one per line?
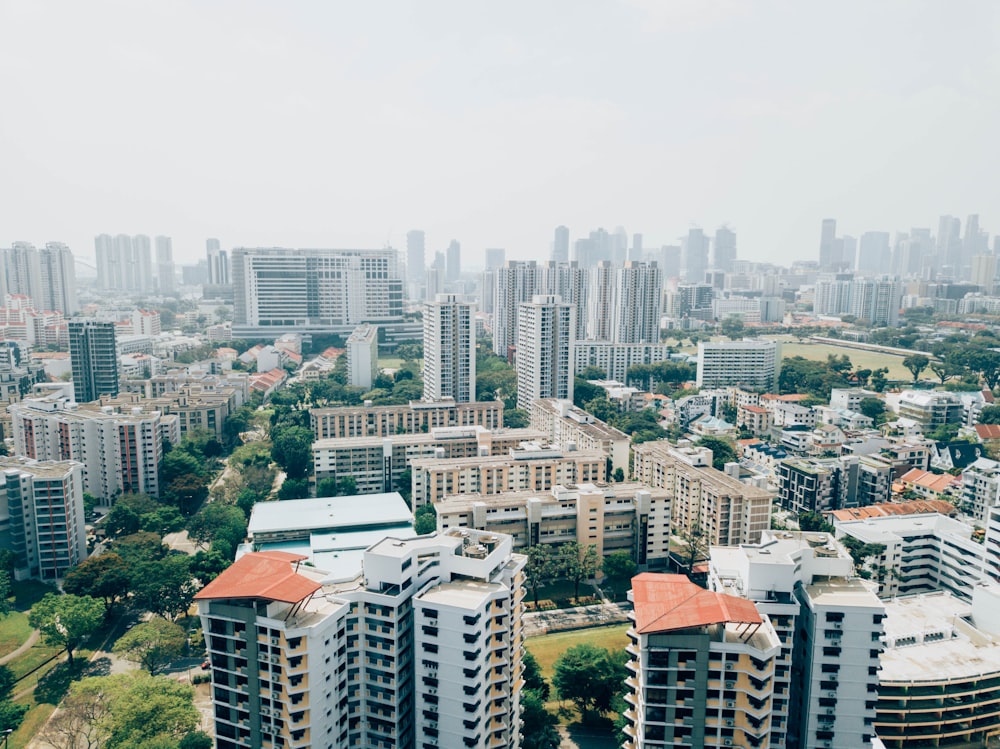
column 548, row 648
column 860, row 359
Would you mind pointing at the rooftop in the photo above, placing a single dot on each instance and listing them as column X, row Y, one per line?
column 270, row 575
column 664, row 603
column 328, row 513
column 913, row 507
column 466, row 594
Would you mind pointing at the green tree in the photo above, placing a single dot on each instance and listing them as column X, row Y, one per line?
column 589, row 677
column 425, row 520
column 66, row 620
column 873, row 408
column 618, row 475
column 533, row 678
column 989, row 415
column 946, row 370
column 153, row 644
column 218, row 523
column 693, row 547
column 810, row 520
column 592, row 373
column 6, row 591
column 187, row 491
column 879, row 380
column 11, row 715
column 619, row 567
column 538, row 727
column 178, row 463
column 541, row 566
column 292, row 450
column 577, row 563
column 602, row 408
column 164, row 587
column 105, row 576
column 294, row 489
column 916, row 363
column 723, row 451
column 196, row 740
column 732, row 327
column 515, row 418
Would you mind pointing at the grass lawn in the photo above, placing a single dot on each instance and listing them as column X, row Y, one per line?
column 14, row 631
column 859, row 358
column 33, row 722
column 36, row 656
column 548, row 648
column 394, row 362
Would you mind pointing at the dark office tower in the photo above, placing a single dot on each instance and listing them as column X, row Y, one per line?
column 94, row 359
column 635, row 251
column 495, row 257
column 725, row 249
column 166, row 273
column 415, row 263
column 560, row 245
column 670, row 260
column 694, row 256
column 873, row 259
column 453, row 261
column 829, row 255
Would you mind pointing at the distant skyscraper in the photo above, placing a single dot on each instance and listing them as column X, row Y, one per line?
column 546, row 333
column 828, row 255
column 104, row 251
column 516, row 283
column 560, row 245
column 449, row 349
column 415, row 263
column 619, row 246
column 848, row 248
column 598, row 246
column 218, row 263
column 635, row 251
column 140, row 273
column 984, row 272
column 21, row 272
column 495, row 257
column 453, row 261
column 873, row 257
column 949, row 245
column 694, row 256
column 670, row 260
column 165, row 271
column 58, row 279
column 724, row 252
column 94, row 359
column 638, row 301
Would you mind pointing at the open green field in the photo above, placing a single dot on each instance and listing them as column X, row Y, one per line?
column 394, row 362
column 860, row 359
column 548, row 648
column 14, row 631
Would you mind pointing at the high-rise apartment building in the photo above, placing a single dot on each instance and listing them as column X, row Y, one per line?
column 421, row 647
column 362, row 356
column 560, row 245
column 139, row 268
column 877, row 300
column 600, row 302
column 416, row 417
column 749, row 363
column 822, row 485
column 702, row 667
column 832, row 295
column 44, row 502
column 829, row 624
column 516, row 283
column 569, row 281
column 280, row 290
column 58, row 279
column 449, row 349
column 546, row 332
column 120, row 449
column 94, row 359
column 638, row 301
column 724, row 510
column 166, row 272
column 21, row 272
column 724, row 249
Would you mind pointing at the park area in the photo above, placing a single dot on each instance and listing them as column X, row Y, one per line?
column 859, row 358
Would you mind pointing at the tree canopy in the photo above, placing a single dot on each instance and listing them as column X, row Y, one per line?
column 153, row 644
column 105, row 576
column 66, row 620
column 589, row 677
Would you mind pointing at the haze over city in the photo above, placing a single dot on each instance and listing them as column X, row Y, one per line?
column 318, row 125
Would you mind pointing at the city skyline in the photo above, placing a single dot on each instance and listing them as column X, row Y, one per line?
column 474, row 125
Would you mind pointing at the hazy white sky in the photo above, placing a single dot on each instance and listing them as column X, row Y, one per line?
column 345, row 124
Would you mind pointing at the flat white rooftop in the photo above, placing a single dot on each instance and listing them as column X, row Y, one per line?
column 932, row 638
column 329, row 513
column 465, row 594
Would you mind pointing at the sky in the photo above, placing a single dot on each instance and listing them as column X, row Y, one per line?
column 336, row 124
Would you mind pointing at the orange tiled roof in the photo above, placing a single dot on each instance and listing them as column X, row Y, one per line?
column 913, row 507
column 266, row 574
column 664, row 603
column 988, row 431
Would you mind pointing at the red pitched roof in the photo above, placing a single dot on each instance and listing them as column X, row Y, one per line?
column 668, row 602
column 988, row 431
column 264, row 574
